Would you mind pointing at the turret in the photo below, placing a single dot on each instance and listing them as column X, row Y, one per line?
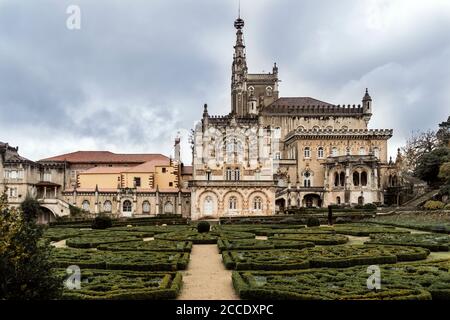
column 367, row 103
column 205, row 120
column 367, row 107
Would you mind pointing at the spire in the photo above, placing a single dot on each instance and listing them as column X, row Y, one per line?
column 239, row 69
column 367, row 96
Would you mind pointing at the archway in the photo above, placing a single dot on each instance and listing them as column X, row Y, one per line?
column 312, row 200
column 45, row 216
column 280, row 204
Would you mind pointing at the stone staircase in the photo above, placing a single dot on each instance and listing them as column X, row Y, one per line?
column 417, row 201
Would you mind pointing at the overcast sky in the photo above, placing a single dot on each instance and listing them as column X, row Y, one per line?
column 139, row 71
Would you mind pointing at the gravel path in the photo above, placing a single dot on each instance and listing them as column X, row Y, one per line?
column 206, row 277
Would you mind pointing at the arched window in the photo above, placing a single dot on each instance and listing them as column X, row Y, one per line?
column 342, row 178
column 336, row 179
column 232, row 203
column 237, row 174
column 127, row 206
column 229, row 174
column 107, row 206
column 320, row 152
column 338, row 200
column 208, row 206
column 307, row 152
column 334, row 152
column 362, row 151
column 307, row 179
column 257, row 203
column 146, row 207
column 356, row 178
column 85, row 205
column 269, row 91
column 300, row 128
column 364, row 178
column 168, row 207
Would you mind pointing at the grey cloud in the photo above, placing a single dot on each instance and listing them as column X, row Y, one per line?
column 138, row 71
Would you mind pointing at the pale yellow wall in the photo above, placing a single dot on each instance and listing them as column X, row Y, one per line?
column 128, row 179
column 103, row 180
column 162, row 180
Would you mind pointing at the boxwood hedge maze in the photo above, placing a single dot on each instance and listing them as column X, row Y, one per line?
column 293, row 262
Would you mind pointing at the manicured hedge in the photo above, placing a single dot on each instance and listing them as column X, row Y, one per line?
column 420, row 220
column 123, row 260
column 154, row 245
column 155, row 229
column 311, row 230
column 253, row 244
column 317, row 257
column 57, row 234
column 412, row 281
column 86, row 242
column 433, row 242
column 203, row 238
column 318, row 239
column 364, row 230
column 125, row 285
column 278, row 259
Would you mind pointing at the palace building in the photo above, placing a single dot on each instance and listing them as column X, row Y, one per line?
column 268, row 154
column 272, row 153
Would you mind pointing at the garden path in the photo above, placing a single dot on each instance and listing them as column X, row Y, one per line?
column 206, row 278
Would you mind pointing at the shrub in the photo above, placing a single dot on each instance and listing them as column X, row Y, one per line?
column 447, row 206
column 341, row 220
column 25, row 268
column 203, row 226
column 370, row 206
column 102, row 222
column 433, row 205
column 313, row 222
column 431, row 241
column 115, row 285
column 412, row 281
column 320, row 257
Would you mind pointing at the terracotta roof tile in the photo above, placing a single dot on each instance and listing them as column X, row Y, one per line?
column 105, row 157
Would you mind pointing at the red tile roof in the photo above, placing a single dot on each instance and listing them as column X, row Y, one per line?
column 104, row 157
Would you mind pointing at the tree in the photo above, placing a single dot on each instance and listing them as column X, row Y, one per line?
column 25, row 268
column 429, row 164
column 417, row 145
column 444, row 174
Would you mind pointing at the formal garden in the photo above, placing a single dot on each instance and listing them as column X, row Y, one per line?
column 308, row 259
column 263, row 261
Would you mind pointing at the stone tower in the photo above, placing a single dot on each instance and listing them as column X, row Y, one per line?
column 249, row 92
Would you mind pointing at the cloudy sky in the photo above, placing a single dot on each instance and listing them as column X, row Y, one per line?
column 139, row 71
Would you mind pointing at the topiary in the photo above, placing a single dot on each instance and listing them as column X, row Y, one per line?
column 433, row 205
column 312, row 222
column 102, row 222
column 203, row 227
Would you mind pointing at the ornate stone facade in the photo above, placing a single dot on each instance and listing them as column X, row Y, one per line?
column 316, row 153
